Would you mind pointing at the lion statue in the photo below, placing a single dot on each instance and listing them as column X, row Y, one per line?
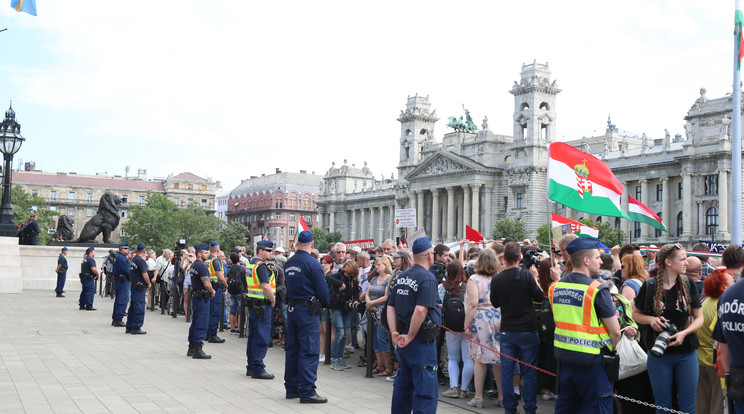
column 105, row 221
column 64, row 228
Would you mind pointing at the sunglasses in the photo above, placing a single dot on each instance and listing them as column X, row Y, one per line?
column 679, row 246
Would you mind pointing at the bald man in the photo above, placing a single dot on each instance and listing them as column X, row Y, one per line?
column 695, row 273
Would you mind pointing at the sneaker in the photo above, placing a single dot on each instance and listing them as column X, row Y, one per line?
column 336, row 366
column 451, row 393
column 549, row 396
column 344, row 364
column 476, row 404
column 321, row 358
column 462, row 394
column 391, row 378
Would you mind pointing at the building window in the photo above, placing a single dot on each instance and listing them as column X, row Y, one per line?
column 659, row 192
column 124, row 213
column 175, row 200
column 53, row 195
column 506, row 202
column 657, row 232
column 34, row 193
column 52, row 208
column 204, row 203
column 291, row 231
column 711, row 185
column 291, row 217
column 89, row 212
column 617, row 222
column 638, row 193
column 520, row 200
column 636, row 229
column 191, row 186
column 278, row 216
column 679, row 190
column 711, row 220
column 89, row 197
column 204, row 187
column 680, row 227
column 70, row 211
column 124, row 198
column 599, row 219
column 123, row 233
column 141, row 200
column 175, row 185
column 71, row 196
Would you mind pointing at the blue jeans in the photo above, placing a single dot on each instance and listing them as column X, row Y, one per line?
column 341, row 321
column 234, row 303
column 458, row 349
column 681, row 367
column 523, row 346
column 380, row 342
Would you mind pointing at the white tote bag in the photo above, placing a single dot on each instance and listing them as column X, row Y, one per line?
column 632, row 357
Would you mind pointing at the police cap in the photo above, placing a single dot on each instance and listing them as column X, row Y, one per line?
column 306, row 236
column 265, row 244
column 201, row 246
column 582, row 243
column 421, row 245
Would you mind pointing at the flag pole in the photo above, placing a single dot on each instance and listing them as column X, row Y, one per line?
column 736, row 222
column 550, row 217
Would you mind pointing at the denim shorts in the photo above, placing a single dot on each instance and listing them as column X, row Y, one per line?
column 234, row 302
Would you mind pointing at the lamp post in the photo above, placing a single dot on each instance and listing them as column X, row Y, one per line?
column 10, row 142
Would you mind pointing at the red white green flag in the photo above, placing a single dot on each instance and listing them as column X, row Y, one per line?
column 578, row 228
column 581, row 181
column 638, row 212
column 738, row 22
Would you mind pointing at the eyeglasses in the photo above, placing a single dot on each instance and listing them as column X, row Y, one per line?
column 341, row 251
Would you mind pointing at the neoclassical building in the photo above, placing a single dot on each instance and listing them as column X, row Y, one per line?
column 478, row 177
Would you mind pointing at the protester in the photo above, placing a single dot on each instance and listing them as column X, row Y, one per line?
column 548, row 274
column 236, row 287
column 344, row 288
column 376, row 297
column 671, row 298
column 452, row 294
column 634, row 273
column 483, row 323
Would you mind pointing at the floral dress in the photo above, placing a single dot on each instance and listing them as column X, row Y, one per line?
column 486, row 324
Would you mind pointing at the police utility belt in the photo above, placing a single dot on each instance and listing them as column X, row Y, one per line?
column 313, row 305
column 256, row 302
column 87, row 276
column 122, row 278
column 216, row 284
column 428, row 332
column 138, row 286
column 201, row 294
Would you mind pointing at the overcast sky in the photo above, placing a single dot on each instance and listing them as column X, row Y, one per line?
column 234, row 88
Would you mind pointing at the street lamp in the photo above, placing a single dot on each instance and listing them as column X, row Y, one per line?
column 10, row 142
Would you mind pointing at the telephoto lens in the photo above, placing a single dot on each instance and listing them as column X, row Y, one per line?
column 662, row 341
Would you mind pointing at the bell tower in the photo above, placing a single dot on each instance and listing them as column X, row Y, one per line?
column 416, row 126
column 534, row 106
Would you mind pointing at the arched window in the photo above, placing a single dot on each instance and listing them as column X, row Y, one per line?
column 711, row 221
column 423, row 131
column 680, row 226
column 599, row 219
column 507, row 159
column 657, row 232
column 545, row 106
column 524, row 106
column 408, row 132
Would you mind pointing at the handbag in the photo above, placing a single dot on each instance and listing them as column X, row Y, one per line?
column 632, row 357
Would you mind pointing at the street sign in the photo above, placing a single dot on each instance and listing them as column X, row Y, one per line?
column 405, row 217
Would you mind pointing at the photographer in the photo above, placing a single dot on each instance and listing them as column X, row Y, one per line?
column 669, row 310
column 344, row 287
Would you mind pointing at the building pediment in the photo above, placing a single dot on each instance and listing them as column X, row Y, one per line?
column 445, row 163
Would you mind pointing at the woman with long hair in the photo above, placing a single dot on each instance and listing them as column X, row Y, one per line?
column 483, row 322
column 458, row 348
column 670, row 303
column 547, row 275
column 634, row 274
column 344, row 287
column 376, row 297
column 709, row 392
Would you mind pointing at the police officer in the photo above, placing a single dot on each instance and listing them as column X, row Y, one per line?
column 88, row 275
column 729, row 332
column 260, row 299
column 217, row 279
column 61, row 272
column 121, row 285
column 581, row 339
column 140, row 283
column 414, row 319
column 307, row 292
column 202, row 292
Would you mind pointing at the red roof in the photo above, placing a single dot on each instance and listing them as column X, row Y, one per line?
column 188, row 176
column 42, row 178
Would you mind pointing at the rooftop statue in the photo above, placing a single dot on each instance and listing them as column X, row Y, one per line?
column 463, row 126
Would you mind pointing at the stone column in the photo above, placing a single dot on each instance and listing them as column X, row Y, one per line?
column 665, row 217
column 645, row 200
column 381, row 234
column 332, row 221
column 352, row 235
column 624, row 204
column 687, row 204
column 412, row 204
column 434, row 215
column 362, row 224
column 420, row 210
column 467, row 209
column 723, row 207
column 450, row 213
column 393, row 228
column 487, row 224
column 476, row 207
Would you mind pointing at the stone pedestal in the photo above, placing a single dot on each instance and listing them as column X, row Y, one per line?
column 10, row 266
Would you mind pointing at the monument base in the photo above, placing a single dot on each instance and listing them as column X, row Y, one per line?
column 10, row 266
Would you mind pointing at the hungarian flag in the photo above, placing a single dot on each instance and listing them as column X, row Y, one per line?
column 583, row 182
column 638, row 212
column 302, row 226
column 472, row 234
column 578, row 228
column 738, row 21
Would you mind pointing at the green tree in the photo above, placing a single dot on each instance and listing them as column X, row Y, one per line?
column 23, row 206
column 232, row 235
column 322, row 239
column 608, row 234
column 510, row 227
column 542, row 234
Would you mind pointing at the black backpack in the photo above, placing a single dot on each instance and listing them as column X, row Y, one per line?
column 233, row 285
column 453, row 312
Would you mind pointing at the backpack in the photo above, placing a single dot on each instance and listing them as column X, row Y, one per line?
column 453, row 312
column 233, row 284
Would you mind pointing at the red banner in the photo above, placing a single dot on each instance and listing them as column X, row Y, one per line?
column 362, row 244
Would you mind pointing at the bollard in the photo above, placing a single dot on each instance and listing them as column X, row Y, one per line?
column 163, row 296
column 152, row 297
column 241, row 318
column 188, row 300
column 368, row 345
column 222, row 313
column 329, row 326
column 175, row 299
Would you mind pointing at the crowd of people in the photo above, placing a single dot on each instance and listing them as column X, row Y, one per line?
column 504, row 309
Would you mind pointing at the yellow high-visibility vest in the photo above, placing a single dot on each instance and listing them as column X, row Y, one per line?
column 254, row 289
column 212, row 273
column 577, row 327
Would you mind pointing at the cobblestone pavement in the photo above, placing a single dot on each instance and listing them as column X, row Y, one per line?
column 56, row 358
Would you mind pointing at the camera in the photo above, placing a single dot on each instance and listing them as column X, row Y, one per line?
column 349, row 305
column 180, row 244
column 662, row 341
column 531, row 257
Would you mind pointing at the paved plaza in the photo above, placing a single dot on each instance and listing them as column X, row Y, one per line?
column 56, row 358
